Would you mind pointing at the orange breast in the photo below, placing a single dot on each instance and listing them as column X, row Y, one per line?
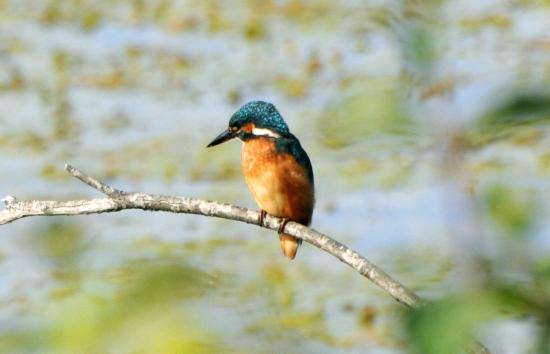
column 278, row 183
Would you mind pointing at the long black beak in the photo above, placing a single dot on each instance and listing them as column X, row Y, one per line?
column 223, row 137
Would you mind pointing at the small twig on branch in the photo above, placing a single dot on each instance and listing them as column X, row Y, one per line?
column 94, row 183
column 119, row 200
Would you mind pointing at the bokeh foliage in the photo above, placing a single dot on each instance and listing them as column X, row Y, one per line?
column 138, row 307
column 374, row 132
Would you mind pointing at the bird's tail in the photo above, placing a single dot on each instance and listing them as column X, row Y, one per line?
column 289, row 245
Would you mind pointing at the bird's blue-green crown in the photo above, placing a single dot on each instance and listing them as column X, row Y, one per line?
column 262, row 114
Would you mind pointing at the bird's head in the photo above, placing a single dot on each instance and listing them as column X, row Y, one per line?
column 256, row 118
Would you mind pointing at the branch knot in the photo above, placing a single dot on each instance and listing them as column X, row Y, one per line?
column 9, row 201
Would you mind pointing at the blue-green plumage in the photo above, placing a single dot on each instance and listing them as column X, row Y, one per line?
column 278, row 171
column 262, row 114
column 292, row 146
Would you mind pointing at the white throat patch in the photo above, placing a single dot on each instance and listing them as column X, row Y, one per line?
column 264, row 132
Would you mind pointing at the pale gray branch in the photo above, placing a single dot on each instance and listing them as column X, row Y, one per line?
column 92, row 182
column 118, row 200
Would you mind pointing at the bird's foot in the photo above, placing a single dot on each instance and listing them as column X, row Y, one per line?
column 261, row 218
column 282, row 226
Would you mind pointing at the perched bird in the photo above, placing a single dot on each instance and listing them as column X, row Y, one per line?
column 276, row 167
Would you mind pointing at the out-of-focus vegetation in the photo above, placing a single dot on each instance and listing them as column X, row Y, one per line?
column 139, row 307
column 427, row 123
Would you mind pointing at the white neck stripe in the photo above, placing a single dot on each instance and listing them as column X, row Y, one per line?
column 262, row 131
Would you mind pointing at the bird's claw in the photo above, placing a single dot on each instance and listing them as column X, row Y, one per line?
column 261, row 218
column 282, row 225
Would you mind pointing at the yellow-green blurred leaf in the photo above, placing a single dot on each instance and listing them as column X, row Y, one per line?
column 374, row 111
column 446, row 326
column 513, row 210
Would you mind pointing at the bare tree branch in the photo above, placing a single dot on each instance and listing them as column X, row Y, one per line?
column 119, row 200
column 94, row 183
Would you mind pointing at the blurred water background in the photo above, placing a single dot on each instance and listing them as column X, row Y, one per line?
column 427, row 125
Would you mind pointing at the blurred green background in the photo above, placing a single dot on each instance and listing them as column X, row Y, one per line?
column 427, row 125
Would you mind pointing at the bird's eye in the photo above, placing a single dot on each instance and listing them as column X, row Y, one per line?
column 233, row 129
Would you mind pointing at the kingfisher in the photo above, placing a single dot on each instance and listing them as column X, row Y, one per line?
column 277, row 170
